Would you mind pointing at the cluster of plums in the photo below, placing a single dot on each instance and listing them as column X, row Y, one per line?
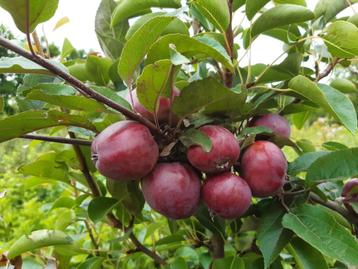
column 127, row 151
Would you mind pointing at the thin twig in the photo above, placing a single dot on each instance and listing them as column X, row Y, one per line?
column 38, row 44
column 62, row 140
column 28, row 34
column 334, row 206
column 81, row 87
column 84, row 168
column 328, row 70
column 229, row 40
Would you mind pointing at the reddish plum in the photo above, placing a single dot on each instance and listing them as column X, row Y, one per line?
column 264, row 168
column 278, row 124
column 227, row 195
column 172, row 189
column 350, row 193
column 125, row 150
column 224, row 153
column 163, row 111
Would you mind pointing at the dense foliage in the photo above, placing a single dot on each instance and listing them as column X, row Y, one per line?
column 204, row 113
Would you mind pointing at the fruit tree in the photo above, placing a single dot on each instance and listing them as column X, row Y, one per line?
column 173, row 147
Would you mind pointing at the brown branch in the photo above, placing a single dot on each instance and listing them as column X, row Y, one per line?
column 62, row 140
column 81, row 87
column 229, row 39
column 328, row 70
column 114, row 222
column 28, row 34
column 335, row 207
column 217, row 246
column 84, row 168
column 38, row 44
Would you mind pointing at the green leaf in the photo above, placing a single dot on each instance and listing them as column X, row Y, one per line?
column 92, row 263
column 67, row 49
column 333, row 146
column 271, row 236
column 334, row 165
column 279, row 16
column 114, row 96
column 353, row 19
column 138, row 45
column 321, row 230
column 179, row 263
column 252, row 7
column 40, row 11
column 306, row 256
column 216, row 11
column 47, row 166
column 65, row 219
column 128, row 8
column 256, row 130
column 341, row 38
column 38, row 239
column 333, row 101
column 176, row 26
column 229, row 263
column 21, row 65
column 99, row 207
column 98, row 69
column 2, row 104
column 329, row 9
column 303, row 162
column 294, row 2
column 64, row 201
column 71, row 102
column 153, row 83
column 238, row 3
column 30, row 121
column 344, row 85
column 196, row 137
column 110, row 38
column 199, row 48
column 199, row 95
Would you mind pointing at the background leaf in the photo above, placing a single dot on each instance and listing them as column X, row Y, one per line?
column 334, row 165
column 333, row 101
column 110, row 38
column 40, row 11
column 38, row 239
column 138, row 45
column 315, row 226
column 99, row 207
column 279, row 16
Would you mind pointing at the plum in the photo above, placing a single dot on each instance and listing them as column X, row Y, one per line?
column 264, row 168
column 227, row 195
column 163, row 111
column 125, row 150
column 172, row 189
column 278, row 124
column 224, row 153
column 350, row 193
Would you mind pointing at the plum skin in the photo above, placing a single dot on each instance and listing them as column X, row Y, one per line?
column 163, row 110
column 353, row 183
column 264, row 168
column 224, row 153
column 278, row 124
column 227, row 195
column 172, row 189
column 125, row 150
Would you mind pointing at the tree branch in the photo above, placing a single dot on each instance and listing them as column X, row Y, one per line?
column 62, row 140
column 114, row 222
column 229, row 39
column 81, row 87
column 328, row 70
column 217, row 246
column 335, row 207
